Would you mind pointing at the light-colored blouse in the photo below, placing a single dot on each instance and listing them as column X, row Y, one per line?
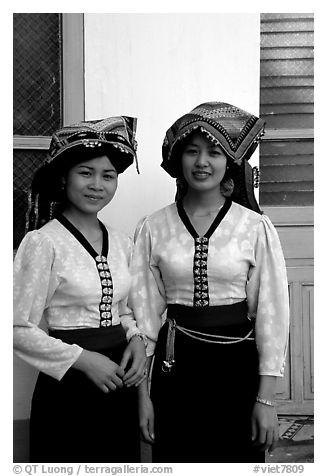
column 243, row 260
column 55, row 277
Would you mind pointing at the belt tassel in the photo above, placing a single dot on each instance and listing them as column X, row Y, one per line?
column 169, row 363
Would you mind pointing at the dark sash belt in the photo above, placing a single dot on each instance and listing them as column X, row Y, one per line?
column 93, row 339
column 213, row 324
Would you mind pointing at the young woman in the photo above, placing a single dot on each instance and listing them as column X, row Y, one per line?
column 210, row 293
column 73, row 271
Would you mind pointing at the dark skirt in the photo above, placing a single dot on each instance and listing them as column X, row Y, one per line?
column 73, row 421
column 203, row 406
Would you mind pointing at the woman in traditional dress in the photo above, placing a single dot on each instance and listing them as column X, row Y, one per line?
column 210, row 293
column 73, row 271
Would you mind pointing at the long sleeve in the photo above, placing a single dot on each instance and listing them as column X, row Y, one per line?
column 267, row 295
column 147, row 296
column 125, row 312
column 34, row 285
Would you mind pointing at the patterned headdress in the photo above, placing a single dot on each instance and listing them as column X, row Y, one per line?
column 113, row 137
column 236, row 131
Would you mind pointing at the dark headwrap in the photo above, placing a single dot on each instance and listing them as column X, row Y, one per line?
column 113, row 137
column 236, row 131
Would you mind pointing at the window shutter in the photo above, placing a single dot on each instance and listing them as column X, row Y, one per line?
column 286, row 104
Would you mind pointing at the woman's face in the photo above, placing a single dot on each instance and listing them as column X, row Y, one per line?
column 203, row 163
column 91, row 185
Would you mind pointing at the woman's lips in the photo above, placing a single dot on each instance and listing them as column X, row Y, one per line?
column 201, row 175
column 93, row 197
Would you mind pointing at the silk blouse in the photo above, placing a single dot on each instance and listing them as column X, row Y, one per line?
column 57, row 278
column 243, row 260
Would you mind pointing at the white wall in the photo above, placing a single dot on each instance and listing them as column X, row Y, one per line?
column 158, row 67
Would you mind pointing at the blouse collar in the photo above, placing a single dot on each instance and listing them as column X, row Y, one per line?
column 83, row 241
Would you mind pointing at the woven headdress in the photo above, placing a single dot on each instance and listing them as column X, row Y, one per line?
column 236, row 131
column 113, row 137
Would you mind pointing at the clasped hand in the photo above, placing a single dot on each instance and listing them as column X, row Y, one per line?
column 107, row 375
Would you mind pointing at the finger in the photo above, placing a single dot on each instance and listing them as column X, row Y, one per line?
column 137, row 378
column 111, row 385
column 120, row 371
column 272, row 447
column 275, row 440
column 140, row 381
column 137, row 367
column 134, row 374
column 261, row 437
column 103, row 388
column 124, row 361
column 130, row 373
column 135, row 381
column 269, row 439
column 254, row 430
column 151, row 428
column 132, row 381
column 116, row 381
column 136, row 370
column 146, row 434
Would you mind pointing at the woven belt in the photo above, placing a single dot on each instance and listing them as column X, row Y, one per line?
column 168, row 364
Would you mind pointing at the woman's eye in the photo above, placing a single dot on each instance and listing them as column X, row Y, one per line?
column 85, row 173
column 191, row 151
column 109, row 177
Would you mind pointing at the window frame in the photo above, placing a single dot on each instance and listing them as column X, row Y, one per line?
column 73, row 90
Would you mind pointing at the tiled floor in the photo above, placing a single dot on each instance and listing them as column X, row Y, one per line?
column 296, row 443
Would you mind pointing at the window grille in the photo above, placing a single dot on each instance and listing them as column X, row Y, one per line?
column 37, row 70
column 37, row 99
column 26, row 162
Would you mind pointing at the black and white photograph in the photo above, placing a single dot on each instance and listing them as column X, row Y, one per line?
column 163, row 243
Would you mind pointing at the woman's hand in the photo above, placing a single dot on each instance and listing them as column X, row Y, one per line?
column 265, row 431
column 135, row 354
column 146, row 415
column 105, row 373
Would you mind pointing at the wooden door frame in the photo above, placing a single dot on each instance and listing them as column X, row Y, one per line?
column 73, row 68
column 292, row 222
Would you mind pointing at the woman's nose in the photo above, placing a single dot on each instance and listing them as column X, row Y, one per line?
column 97, row 182
column 202, row 159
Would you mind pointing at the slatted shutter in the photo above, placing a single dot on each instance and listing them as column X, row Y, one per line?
column 286, row 104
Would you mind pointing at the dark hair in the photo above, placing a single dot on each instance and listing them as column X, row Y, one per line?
column 79, row 154
column 179, row 147
column 51, row 195
column 227, row 183
column 52, row 189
